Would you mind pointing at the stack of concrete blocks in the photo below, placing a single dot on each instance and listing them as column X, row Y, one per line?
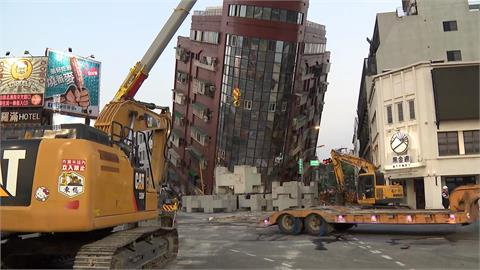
column 294, row 194
column 245, row 182
column 210, row 203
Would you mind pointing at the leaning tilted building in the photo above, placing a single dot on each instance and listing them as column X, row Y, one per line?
column 249, row 90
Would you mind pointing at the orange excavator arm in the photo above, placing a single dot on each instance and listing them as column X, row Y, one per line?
column 338, row 158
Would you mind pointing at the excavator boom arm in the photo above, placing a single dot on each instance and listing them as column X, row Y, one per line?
column 338, row 158
column 140, row 71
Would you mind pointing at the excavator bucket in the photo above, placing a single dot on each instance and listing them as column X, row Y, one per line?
column 466, row 199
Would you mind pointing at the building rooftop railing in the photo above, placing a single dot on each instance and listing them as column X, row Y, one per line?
column 209, row 11
column 315, row 25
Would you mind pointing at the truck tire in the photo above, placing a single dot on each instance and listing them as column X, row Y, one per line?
column 342, row 227
column 289, row 224
column 316, row 225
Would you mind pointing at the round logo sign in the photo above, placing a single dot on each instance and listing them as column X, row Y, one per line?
column 42, row 193
column 22, row 69
column 399, row 143
column 36, row 99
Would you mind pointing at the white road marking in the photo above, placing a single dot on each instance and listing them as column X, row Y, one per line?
column 369, row 246
column 354, row 238
column 387, row 257
column 362, row 247
column 234, row 250
column 267, row 259
column 375, row 251
column 361, row 242
column 399, row 263
column 286, row 264
column 351, row 243
column 250, row 254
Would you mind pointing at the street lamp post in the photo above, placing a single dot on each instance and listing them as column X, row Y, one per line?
column 303, row 156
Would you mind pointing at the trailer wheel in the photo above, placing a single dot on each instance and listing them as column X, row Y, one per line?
column 289, row 224
column 316, row 225
column 341, row 227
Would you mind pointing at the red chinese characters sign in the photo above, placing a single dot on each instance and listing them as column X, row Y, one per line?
column 74, row 165
column 21, row 100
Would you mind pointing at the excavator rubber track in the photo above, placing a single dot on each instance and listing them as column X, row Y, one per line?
column 141, row 247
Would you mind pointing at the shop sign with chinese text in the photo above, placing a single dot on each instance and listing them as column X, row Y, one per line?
column 21, row 115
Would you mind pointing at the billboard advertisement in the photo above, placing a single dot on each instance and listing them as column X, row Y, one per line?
column 22, row 81
column 72, row 84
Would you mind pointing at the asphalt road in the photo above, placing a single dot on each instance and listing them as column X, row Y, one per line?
column 223, row 241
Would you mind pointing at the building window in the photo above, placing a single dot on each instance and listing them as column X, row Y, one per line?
column 284, row 106
column 265, row 13
column 447, row 143
column 454, row 55
column 471, row 141
column 474, row 5
column 247, row 104
column 411, row 108
column 450, row 26
column 272, row 107
column 453, row 182
column 389, row 114
column 400, row 111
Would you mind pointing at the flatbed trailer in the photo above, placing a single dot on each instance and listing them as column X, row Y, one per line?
column 321, row 220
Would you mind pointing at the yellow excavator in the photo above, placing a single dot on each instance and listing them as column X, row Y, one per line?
column 91, row 195
column 372, row 189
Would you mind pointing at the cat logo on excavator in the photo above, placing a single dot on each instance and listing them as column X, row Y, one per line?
column 10, row 187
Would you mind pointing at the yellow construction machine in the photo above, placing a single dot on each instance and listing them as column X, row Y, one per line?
column 372, row 189
column 91, row 195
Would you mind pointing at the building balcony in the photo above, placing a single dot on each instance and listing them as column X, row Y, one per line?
column 299, row 122
column 295, row 151
column 201, row 111
column 179, row 97
column 301, row 98
column 174, row 158
column 181, row 54
column 209, row 11
column 199, row 136
column 206, row 62
column 176, row 138
column 203, row 88
column 196, row 154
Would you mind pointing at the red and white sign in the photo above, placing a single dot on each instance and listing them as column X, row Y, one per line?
column 75, row 165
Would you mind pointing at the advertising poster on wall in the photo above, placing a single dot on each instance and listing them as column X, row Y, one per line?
column 22, row 81
column 72, row 84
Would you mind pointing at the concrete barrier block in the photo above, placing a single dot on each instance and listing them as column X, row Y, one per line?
column 292, row 189
column 191, row 204
column 255, row 202
column 309, row 200
column 244, row 179
column 209, row 203
column 269, row 202
column 284, row 201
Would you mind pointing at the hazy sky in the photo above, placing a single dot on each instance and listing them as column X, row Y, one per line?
column 118, row 32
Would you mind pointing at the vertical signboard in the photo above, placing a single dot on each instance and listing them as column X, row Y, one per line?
column 22, row 81
column 72, row 84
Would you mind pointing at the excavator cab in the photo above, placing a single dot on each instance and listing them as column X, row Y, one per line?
column 373, row 190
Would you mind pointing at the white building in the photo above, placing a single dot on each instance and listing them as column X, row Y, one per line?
column 425, row 129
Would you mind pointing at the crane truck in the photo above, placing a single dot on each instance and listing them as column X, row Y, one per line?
column 90, row 194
